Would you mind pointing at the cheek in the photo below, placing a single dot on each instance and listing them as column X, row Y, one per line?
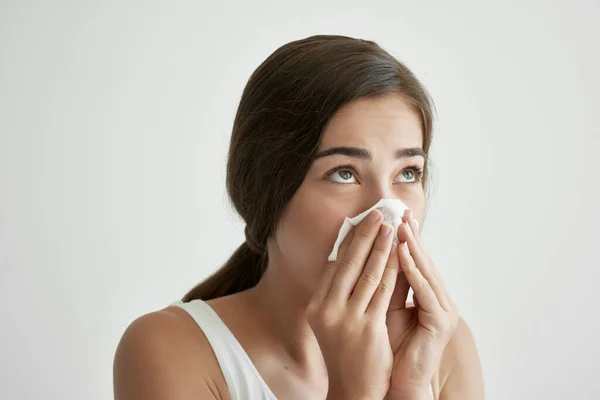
column 307, row 232
column 415, row 200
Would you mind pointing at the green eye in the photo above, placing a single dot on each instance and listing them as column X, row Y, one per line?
column 410, row 175
column 342, row 176
column 345, row 174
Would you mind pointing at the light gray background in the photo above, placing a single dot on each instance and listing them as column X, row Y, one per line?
column 115, row 118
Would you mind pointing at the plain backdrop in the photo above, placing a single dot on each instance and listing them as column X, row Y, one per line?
column 115, row 119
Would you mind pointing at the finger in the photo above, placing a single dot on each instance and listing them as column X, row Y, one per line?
column 414, row 226
column 424, row 263
column 422, row 290
column 346, row 243
column 409, row 219
column 330, row 269
column 381, row 299
column 350, row 266
column 400, row 295
column 370, row 278
column 422, row 258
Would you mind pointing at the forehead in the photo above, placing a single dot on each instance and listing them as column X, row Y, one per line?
column 388, row 120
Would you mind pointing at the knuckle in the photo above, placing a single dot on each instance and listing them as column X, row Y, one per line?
column 379, row 250
column 438, row 326
column 447, row 323
column 450, row 326
column 422, row 284
column 321, row 316
column 443, row 324
column 345, row 265
column 328, row 316
column 329, row 267
column 384, row 288
column 368, row 278
column 312, row 311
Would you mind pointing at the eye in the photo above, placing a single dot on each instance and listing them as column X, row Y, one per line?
column 410, row 175
column 342, row 175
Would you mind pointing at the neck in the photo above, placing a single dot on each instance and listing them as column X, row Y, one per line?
column 281, row 304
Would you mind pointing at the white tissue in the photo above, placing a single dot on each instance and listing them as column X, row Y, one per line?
column 392, row 210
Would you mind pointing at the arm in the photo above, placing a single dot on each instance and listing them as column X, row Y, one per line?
column 156, row 360
column 460, row 370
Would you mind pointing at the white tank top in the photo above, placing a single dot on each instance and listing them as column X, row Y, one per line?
column 243, row 379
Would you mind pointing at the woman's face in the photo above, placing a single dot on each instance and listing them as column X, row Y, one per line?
column 371, row 149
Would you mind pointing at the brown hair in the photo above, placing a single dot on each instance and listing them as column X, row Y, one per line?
column 284, row 109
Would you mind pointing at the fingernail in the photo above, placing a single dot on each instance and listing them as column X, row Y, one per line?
column 385, row 230
column 374, row 216
column 416, row 223
column 393, row 249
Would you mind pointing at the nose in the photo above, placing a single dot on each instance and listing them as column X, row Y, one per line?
column 379, row 191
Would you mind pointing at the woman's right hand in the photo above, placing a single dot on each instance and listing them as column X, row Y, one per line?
column 347, row 312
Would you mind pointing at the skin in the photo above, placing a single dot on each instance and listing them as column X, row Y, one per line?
column 164, row 354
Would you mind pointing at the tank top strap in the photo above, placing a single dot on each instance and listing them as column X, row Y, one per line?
column 242, row 378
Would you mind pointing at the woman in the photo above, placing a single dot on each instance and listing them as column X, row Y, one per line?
column 326, row 127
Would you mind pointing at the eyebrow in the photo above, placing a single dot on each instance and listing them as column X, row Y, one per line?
column 357, row 152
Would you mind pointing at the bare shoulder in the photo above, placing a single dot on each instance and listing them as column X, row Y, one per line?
column 164, row 355
column 460, row 368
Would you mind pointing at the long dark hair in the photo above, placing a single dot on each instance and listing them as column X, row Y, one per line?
column 284, row 109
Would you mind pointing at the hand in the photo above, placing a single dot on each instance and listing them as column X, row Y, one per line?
column 347, row 312
column 419, row 334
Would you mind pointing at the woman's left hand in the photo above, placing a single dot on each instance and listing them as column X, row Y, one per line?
column 419, row 334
